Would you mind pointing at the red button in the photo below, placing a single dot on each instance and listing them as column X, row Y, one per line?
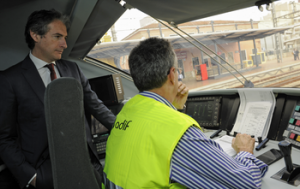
column 298, row 123
column 292, row 136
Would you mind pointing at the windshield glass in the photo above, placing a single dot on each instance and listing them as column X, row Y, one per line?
column 261, row 46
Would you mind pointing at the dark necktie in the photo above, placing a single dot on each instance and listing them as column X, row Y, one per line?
column 52, row 71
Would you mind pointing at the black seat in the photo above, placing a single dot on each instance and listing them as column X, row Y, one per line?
column 69, row 155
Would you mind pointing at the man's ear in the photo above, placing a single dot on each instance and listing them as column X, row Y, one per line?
column 34, row 36
column 172, row 75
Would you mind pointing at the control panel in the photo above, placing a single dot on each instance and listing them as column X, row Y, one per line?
column 292, row 132
column 100, row 143
column 205, row 110
column 220, row 112
column 284, row 127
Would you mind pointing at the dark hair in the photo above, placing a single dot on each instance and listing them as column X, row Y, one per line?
column 38, row 23
column 149, row 63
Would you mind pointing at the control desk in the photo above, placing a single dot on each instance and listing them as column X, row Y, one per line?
column 217, row 110
column 268, row 182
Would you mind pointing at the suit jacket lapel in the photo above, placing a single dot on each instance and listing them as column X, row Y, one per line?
column 62, row 68
column 33, row 78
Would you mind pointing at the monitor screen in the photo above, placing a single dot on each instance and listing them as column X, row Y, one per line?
column 104, row 88
column 108, row 88
column 201, row 111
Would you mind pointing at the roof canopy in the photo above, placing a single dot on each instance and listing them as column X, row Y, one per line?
column 115, row 49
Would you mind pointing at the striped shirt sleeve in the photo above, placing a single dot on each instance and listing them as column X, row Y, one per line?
column 199, row 162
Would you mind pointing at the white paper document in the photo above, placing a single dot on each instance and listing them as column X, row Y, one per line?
column 225, row 143
column 255, row 113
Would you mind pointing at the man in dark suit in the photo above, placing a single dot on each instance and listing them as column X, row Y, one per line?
column 23, row 136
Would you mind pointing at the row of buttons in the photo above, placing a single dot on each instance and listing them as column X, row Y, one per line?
column 202, row 98
column 297, row 144
column 216, row 99
column 100, row 144
column 294, row 127
column 208, row 124
column 294, row 136
column 101, row 147
column 292, row 133
column 294, row 122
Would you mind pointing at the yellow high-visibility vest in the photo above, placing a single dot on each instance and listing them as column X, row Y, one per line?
column 140, row 146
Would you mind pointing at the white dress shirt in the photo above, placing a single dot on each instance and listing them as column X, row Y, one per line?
column 43, row 71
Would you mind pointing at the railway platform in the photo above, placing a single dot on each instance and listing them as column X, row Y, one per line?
column 266, row 67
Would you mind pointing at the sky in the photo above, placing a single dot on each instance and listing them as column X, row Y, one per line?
column 133, row 16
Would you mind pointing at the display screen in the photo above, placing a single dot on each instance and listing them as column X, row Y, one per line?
column 201, row 111
column 103, row 87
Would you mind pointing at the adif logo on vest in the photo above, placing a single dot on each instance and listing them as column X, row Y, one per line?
column 122, row 126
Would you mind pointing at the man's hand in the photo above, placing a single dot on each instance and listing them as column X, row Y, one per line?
column 243, row 142
column 181, row 96
column 33, row 182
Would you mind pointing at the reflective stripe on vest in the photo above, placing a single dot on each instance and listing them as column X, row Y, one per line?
column 140, row 146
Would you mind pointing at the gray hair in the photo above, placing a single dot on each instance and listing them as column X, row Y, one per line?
column 150, row 62
column 38, row 23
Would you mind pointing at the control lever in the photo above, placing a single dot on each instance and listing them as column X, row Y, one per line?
column 291, row 172
column 228, row 132
column 286, row 149
column 262, row 144
column 259, row 140
column 215, row 134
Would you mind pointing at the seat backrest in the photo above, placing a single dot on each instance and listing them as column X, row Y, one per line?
column 69, row 154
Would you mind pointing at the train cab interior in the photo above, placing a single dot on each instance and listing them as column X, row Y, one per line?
column 242, row 72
